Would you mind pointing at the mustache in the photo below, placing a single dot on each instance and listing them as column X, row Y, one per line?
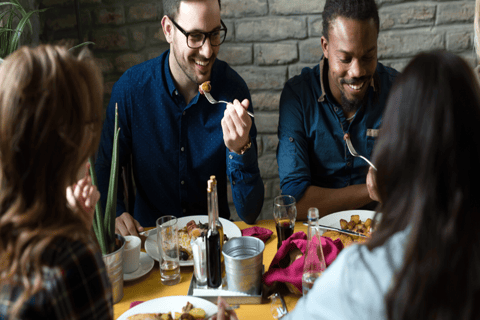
column 355, row 80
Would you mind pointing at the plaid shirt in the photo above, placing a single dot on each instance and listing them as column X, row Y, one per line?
column 76, row 285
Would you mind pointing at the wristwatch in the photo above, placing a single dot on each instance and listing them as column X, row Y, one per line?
column 246, row 147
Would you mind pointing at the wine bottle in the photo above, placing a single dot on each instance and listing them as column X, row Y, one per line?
column 218, row 222
column 213, row 243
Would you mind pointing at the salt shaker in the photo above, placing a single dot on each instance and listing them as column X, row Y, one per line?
column 314, row 263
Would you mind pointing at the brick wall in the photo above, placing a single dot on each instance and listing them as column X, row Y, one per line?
column 268, row 42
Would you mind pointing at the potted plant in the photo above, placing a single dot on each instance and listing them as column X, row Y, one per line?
column 11, row 31
column 110, row 243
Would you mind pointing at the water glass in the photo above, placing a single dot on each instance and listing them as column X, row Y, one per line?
column 285, row 214
column 168, row 250
column 199, row 260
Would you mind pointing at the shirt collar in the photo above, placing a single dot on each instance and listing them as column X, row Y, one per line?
column 375, row 82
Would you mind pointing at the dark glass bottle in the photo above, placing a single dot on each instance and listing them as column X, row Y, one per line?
column 213, row 242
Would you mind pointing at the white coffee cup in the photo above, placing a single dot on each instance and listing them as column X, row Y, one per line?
column 131, row 254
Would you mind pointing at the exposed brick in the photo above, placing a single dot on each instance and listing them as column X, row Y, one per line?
column 266, row 122
column 266, row 100
column 270, row 29
column 268, row 166
column 455, row 12
column 397, row 64
column 111, row 39
column 61, row 22
column 259, row 145
column 275, row 53
column 272, row 189
column 110, row 16
column 105, row 64
column 244, row 8
column 51, row 3
column 296, row 69
column 142, row 12
column 155, row 34
column 155, row 52
column 471, row 59
column 310, row 50
column 458, row 41
column 270, row 143
column 315, row 26
column 230, row 24
column 89, row 1
column 108, row 86
column 236, row 54
column 263, row 77
column 407, row 16
column 380, row 3
column 138, row 37
column 399, row 45
column 287, row 7
column 126, row 61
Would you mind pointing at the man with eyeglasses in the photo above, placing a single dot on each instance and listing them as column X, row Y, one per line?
column 174, row 136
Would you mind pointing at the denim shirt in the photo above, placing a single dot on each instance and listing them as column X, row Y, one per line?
column 311, row 149
column 176, row 147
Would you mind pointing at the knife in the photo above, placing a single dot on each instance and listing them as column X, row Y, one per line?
column 353, row 233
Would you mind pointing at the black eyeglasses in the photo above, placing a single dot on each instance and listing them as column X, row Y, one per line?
column 196, row 39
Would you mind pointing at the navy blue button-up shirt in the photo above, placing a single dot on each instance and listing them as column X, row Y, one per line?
column 311, row 149
column 176, row 147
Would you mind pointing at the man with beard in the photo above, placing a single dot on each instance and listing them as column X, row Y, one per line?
column 344, row 94
column 174, row 136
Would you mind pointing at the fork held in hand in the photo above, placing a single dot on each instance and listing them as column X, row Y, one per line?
column 354, row 153
column 213, row 101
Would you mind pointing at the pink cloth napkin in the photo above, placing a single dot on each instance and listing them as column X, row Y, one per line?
column 258, row 232
column 134, row 303
column 293, row 272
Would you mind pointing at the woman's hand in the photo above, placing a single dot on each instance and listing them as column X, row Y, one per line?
column 222, row 314
column 372, row 185
column 84, row 195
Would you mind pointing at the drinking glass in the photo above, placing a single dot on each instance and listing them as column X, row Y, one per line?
column 285, row 214
column 168, row 250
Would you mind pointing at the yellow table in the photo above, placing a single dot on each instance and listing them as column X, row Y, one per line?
column 150, row 287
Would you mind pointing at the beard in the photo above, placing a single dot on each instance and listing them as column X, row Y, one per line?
column 354, row 104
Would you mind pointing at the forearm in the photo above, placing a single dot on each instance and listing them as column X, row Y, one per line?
column 332, row 200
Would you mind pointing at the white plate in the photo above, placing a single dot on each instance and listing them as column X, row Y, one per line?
column 333, row 219
column 145, row 265
column 170, row 304
column 229, row 229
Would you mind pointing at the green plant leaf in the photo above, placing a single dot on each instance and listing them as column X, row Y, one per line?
column 98, row 226
column 81, row 45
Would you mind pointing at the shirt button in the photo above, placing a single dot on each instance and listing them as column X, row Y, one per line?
column 290, row 139
column 230, row 157
column 336, row 108
column 349, row 164
column 182, row 149
column 182, row 182
column 176, row 92
column 233, row 182
column 184, row 112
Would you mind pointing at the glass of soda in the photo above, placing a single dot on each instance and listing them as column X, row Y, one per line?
column 285, row 214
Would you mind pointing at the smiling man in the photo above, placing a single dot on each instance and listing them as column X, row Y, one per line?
column 344, row 94
column 174, row 136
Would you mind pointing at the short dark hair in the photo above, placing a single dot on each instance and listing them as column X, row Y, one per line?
column 352, row 9
column 170, row 7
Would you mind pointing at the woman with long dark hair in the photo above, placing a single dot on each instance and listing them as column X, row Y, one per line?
column 423, row 261
column 50, row 123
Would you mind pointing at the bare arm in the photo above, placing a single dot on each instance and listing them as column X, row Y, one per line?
column 332, row 200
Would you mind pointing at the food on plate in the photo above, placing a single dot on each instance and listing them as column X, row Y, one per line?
column 356, row 225
column 189, row 312
column 191, row 231
column 205, row 87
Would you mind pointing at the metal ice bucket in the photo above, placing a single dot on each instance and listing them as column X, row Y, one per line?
column 243, row 258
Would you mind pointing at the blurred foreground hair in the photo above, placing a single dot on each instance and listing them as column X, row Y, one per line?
column 50, row 123
column 427, row 158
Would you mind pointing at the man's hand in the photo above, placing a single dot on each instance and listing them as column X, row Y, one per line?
column 372, row 185
column 236, row 124
column 126, row 225
column 82, row 198
column 222, row 314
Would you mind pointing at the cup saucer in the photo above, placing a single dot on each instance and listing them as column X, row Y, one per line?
column 144, row 267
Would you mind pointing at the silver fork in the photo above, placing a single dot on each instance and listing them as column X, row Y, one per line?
column 354, row 153
column 213, row 101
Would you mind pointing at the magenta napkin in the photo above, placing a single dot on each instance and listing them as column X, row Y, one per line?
column 292, row 274
column 134, row 303
column 258, row 232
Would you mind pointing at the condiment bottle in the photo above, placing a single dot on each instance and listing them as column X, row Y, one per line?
column 314, row 263
column 213, row 242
